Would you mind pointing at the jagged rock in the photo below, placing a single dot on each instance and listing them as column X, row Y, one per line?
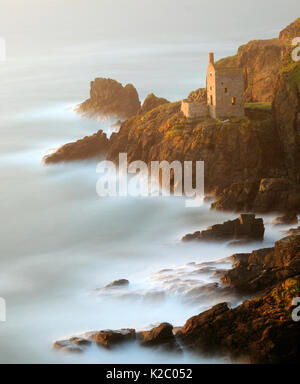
column 110, row 98
column 262, row 269
column 89, row 147
column 160, row 336
column 110, row 338
column 245, row 227
column 288, row 219
column 152, row 102
column 118, row 283
column 260, row 329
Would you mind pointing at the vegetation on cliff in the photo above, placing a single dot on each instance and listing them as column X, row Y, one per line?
column 151, row 102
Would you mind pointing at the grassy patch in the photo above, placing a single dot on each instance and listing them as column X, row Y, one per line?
column 260, row 106
column 227, row 62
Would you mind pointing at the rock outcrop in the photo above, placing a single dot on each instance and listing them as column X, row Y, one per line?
column 89, row 147
column 260, row 330
column 264, row 268
column 161, row 335
column 288, row 219
column 110, row 98
column 246, row 227
column 110, row 338
column 152, row 102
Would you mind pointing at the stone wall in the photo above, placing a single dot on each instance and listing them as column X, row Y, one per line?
column 192, row 109
column 229, row 93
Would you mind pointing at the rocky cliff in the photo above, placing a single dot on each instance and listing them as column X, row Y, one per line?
column 234, row 151
column 264, row 268
column 93, row 146
column 110, row 98
column 260, row 329
column 280, row 192
column 262, row 60
column 151, row 102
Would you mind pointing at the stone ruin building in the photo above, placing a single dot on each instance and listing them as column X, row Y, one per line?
column 225, row 94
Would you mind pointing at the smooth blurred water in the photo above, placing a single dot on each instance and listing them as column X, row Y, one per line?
column 60, row 243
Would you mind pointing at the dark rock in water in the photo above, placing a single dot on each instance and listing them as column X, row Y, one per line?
column 118, row 283
column 89, row 147
column 288, row 219
column 110, row 98
column 161, row 335
column 260, row 329
column 245, row 227
column 109, row 338
column 262, row 269
column 67, row 346
column 152, row 102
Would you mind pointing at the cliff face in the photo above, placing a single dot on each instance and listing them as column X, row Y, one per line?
column 235, row 151
column 108, row 97
column 280, row 192
column 262, row 60
column 287, row 116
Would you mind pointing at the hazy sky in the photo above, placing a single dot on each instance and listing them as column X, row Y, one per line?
column 38, row 25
